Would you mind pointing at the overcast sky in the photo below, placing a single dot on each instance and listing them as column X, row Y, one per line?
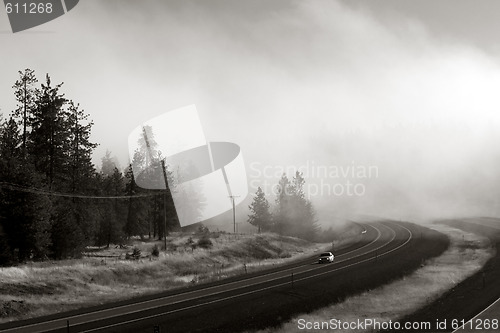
column 408, row 86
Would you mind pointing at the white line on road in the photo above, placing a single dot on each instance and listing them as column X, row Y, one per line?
column 480, row 313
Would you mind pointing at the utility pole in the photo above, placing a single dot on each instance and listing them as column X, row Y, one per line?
column 234, row 211
column 164, row 204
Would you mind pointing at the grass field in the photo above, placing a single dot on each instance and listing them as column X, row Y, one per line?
column 106, row 275
column 467, row 253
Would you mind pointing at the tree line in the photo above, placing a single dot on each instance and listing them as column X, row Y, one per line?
column 53, row 201
column 293, row 213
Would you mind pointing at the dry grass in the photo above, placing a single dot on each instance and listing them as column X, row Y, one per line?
column 466, row 255
column 37, row 289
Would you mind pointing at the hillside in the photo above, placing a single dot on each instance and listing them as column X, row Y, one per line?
column 112, row 274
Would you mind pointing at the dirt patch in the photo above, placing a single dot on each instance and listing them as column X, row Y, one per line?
column 13, row 308
column 31, row 289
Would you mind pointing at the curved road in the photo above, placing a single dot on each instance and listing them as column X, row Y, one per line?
column 380, row 239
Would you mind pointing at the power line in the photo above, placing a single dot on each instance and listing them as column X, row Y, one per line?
column 21, row 188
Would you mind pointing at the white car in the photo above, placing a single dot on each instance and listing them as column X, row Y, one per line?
column 326, row 257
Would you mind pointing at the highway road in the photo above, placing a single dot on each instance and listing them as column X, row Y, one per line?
column 380, row 239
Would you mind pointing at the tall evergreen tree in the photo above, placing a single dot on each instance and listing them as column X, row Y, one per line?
column 68, row 237
column 81, row 170
column 26, row 97
column 282, row 210
column 151, row 170
column 9, row 146
column 108, row 165
column 112, row 210
column 137, row 207
column 303, row 215
column 260, row 216
column 6, row 257
column 294, row 213
column 46, row 146
column 24, row 216
column 80, row 148
column 49, row 135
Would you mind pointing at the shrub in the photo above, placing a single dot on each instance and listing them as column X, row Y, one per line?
column 285, row 254
column 136, row 254
column 155, row 251
column 202, row 229
column 190, row 242
column 205, row 242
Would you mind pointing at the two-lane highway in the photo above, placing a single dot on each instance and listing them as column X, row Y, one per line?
column 381, row 239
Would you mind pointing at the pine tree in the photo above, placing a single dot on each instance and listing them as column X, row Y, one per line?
column 48, row 144
column 108, row 165
column 302, row 223
column 5, row 253
column 137, row 207
column 51, row 151
column 260, row 215
column 26, row 96
column 9, row 146
column 24, row 216
column 282, row 210
column 80, row 148
column 112, row 211
column 68, row 237
column 81, row 170
column 148, row 166
column 294, row 213
column 162, row 204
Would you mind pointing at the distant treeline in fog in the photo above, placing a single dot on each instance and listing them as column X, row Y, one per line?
column 292, row 215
